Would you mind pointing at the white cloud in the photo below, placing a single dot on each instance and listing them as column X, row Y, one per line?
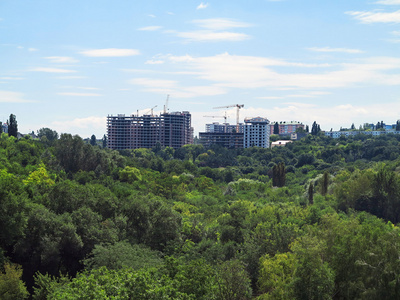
column 329, row 49
column 32, row 49
column 171, row 87
column 154, row 62
column 61, row 59
column 202, row 5
column 110, row 52
column 80, row 94
column 52, row 70
column 88, row 88
column 211, row 36
column 151, row 16
column 220, row 24
column 150, row 28
column 233, row 71
column 91, row 123
column 213, row 30
column 376, row 16
column 12, row 97
column 71, row 77
column 389, row 2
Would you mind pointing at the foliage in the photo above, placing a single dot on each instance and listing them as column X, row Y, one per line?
column 12, row 126
column 11, row 286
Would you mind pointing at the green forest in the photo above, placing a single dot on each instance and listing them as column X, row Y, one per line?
column 316, row 219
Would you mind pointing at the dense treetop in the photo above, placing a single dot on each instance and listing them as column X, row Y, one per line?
column 316, row 219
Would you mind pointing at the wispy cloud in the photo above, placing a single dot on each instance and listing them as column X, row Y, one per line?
column 248, row 72
column 213, row 30
column 87, row 88
column 61, row 59
column 389, row 2
column 70, row 125
column 110, row 52
column 329, row 49
column 209, row 36
column 202, row 5
column 71, row 77
column 150, row 28
column 52, row 70
column 80, row 94
column 220, row 24
column 32, row 49
column 12, row 97
column 171, row 87
column 154, row 62
column 376, row 16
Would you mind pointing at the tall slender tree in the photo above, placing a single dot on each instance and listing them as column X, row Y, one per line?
column 93, row 140
column 104, row 141
column 276, row 128
column 13, row 126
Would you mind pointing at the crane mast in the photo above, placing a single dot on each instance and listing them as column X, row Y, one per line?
column 238, row 107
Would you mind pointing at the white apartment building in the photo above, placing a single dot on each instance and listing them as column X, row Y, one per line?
column 256, row 132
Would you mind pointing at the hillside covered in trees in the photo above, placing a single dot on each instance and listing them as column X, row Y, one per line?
column 316, row 219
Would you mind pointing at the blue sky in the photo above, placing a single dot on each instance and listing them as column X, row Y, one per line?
column 66, row 65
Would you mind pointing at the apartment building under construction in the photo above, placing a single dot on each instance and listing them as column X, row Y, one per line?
column 132, row 132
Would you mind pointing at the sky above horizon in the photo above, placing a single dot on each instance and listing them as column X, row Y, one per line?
column 66, row 65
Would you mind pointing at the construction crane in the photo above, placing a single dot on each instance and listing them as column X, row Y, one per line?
column 238, row 107
column 166, row 105
column 225, row 117
column 219, row 117
column 151, row 110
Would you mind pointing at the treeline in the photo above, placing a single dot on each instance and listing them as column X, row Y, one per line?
column 316, row 219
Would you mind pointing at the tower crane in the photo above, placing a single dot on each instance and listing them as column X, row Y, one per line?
column 225, row 117
column 238, row 107
column 166, row 105
column 151, row 110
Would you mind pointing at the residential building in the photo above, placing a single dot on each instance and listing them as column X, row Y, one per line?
column 256, row 132
column 216, row 127
column 227, row 140
column 286, row 128
column 280, row 143
column 337, row 134
column 132, row 132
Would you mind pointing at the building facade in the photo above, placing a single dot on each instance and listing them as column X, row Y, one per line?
column 256, row 132
column 286, row 128
column 227, row 140
column 133, row 132
column 216, row 127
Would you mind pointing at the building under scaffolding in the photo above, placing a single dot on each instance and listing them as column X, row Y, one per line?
column 133, row 132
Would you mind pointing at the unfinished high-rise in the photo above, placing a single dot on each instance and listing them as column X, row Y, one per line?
column 132, row 132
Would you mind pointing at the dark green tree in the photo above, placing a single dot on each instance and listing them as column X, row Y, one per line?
column 325, row 183
column 398, row 125
column 276, row 128
column 104, row 141
column 93, row 140
column 12, row 126
column 279, row 175
column 315, row 129
column 1, row 127
column 51, row 135
column 307, row 129
column 311, row 193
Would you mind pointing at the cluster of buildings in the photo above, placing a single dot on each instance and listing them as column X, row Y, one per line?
column 134, row 131
column 174, row 130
